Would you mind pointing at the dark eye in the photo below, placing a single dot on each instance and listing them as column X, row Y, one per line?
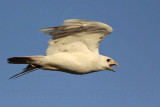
column 108, row 60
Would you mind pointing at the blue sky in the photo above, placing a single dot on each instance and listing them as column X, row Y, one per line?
column 134, row 44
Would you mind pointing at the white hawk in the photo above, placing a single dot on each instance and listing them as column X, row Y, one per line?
column 73, row 48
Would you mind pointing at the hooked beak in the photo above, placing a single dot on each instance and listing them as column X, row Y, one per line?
column 115, row 63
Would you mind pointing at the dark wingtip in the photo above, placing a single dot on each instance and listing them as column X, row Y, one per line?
column 26, row 70
column 19, row 74
column 13, row 77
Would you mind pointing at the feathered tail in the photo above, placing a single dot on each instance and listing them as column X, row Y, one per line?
column 24, row 60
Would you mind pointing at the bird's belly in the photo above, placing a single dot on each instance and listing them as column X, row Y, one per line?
column 73, row 63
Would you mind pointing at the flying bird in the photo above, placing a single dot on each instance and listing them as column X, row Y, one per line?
column 73, row 48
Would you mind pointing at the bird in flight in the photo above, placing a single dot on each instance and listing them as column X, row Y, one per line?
column 73, row 48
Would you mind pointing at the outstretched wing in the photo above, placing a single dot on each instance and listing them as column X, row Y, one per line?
column 26, row 70
column 76, row 35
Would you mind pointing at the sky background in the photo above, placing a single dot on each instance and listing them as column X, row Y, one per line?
column 134, row 44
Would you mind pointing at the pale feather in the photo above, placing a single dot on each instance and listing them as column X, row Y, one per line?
column 76, row 36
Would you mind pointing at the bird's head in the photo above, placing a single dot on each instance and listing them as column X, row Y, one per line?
column 107, row 62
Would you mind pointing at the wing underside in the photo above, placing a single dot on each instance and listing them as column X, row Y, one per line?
column 76, row 35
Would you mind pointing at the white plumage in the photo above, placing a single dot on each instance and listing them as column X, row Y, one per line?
column 73, row 48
